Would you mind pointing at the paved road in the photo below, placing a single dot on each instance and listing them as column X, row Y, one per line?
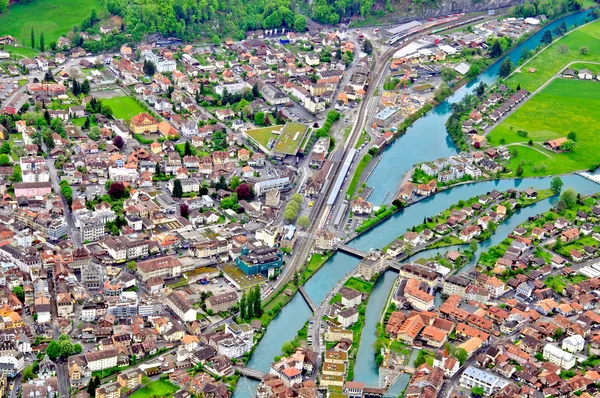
column 71, row 229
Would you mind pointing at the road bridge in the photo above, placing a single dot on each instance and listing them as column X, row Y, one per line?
column 352, row 251
column 250, row 373
column 310, row 303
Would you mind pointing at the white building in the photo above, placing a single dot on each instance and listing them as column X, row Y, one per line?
column 574, row 343
column 559, row 357
column 475, row 377
column 99, row 360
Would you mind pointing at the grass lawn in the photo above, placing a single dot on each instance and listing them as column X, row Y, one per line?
column 160, row 388
column 53, row 17
column 290, row 139
column 20, row 52
column 551, row 61
column 263, row 135
column 563, row 106
column 314, row 264
column 359, row 285
column 357, row 173
column 124, row 107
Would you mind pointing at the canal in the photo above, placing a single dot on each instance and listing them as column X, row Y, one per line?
column 425, row 140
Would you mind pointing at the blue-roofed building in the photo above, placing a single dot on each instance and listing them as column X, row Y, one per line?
column 260, row 260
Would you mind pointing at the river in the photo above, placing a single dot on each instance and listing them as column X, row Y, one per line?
column 425, row 140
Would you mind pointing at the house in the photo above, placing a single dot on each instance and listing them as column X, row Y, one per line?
column 348, row 317
column 585, row 74
column 350, row 297
column 361, row 206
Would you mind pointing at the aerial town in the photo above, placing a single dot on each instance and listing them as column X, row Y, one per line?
column 308, row 209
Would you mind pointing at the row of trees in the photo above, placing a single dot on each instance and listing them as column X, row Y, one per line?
column 66, row 191
column 250, row 304
column 293, row 207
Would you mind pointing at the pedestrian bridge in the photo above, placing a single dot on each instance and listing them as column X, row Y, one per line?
column 310, row 303
column 352, row 251
column 250, row 373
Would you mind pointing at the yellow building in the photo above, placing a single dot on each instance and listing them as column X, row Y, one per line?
column 143, row 123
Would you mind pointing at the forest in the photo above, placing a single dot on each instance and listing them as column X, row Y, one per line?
column 190, row 19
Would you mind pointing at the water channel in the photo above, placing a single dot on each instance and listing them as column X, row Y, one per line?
column 425, row 140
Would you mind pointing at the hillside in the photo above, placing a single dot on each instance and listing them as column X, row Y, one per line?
column 52, row 17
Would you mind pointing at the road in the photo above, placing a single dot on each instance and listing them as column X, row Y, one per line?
column 72, row 231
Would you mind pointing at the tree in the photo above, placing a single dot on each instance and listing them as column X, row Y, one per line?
column 296, row 278
column 5, row 148
column 149, row 68
column 184, row 210
column 477, row 392
column 3, row 6
column 572, row 136
column 177, row 188
column 583, row 50
column 461, row 354
column 119, row 142
column 187, row 149
column 18, row 291
column 496, row 49
column 5, row 160
column 53, row 350
column 256, row 301
column 519, row 171
column 474, row 70
column 157, row 170
column 448, row 74
column 85, row 86
column 547, row 37
column 66, row 348
column 116, row 190
column 42, row 42
column 368, row 47
column 506, row 68
column 569, row 197
column 303, row 222
column 243, row 312
column 563, row 49
column 234, row 183
column 556, row 185
column 259, row 119
column 32, row 39
column 77, row 349
column 244, row 191
column 299, row 23
column 131, row 265
column 255, row 91
column 473, row 246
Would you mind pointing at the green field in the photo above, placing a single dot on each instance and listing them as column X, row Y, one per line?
column 286, row 143
column 263, row 135
column 53, row 17
column 159, row 388
column 561, row 107
column 553, row 60
column 124, row 107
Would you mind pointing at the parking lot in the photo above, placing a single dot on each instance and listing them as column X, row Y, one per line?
column 216, row 286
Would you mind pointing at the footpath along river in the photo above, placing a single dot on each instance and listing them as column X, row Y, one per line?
column 425, row 140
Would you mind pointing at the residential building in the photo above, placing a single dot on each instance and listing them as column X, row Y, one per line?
column 559, row 357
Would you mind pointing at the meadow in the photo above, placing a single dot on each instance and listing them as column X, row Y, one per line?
column 124, row 107
column 562, row 107
column 52, row 17
column 559, row 54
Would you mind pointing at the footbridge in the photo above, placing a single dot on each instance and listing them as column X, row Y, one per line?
column 310, row 303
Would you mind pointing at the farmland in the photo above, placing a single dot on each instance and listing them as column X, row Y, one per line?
column 124, row 107
column 563, row 106
column 290, row 138
column 52, row 17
